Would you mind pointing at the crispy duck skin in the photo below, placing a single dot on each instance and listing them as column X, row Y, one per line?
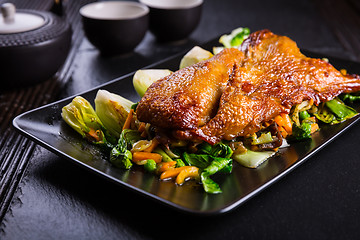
column 268, row 76
column 189, row 98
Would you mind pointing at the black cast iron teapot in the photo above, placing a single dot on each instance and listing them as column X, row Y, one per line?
column 33, row 45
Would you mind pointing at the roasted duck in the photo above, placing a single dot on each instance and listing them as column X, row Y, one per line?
column 236, row 91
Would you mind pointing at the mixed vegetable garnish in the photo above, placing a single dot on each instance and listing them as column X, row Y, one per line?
column 114, row 127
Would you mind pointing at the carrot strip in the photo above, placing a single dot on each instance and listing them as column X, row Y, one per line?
column 282, row 131
column 143, row 134
column 172, row 172
column 314, row 127
column 266, row 124
column 128, row 119
column 139, row 156
column 164, row 166
column 311, row 101
column 141, row 127
column 94, row 134
column 287, row 121
column 279, row 121
column 189, row 172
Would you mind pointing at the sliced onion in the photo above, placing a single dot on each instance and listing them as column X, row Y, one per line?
column 141, row 145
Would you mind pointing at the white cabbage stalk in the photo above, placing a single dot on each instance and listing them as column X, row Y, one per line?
column 112, row 110
column 195, row 55
column 144, row 78
column 252, row 159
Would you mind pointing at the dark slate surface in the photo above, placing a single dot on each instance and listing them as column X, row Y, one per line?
column 319, row 200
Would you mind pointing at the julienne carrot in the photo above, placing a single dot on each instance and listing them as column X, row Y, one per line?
column 283, row 131
column 283, row 120
column 154, row 144
column 94, row 134
column 144, row 134
column 164, row 166
column 314, row 127
column 141, row 127
column 171, row 173
column 288, row 124
column 128, row 119
column 140, row 156
column 189, row 172
column 279, row 121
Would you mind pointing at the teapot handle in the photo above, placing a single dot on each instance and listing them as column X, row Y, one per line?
column 8, row 11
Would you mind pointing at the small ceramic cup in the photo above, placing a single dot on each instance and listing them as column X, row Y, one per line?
column 115, row 27
column 173, row 20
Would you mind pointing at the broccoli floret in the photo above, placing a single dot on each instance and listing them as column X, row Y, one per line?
column 303, row 131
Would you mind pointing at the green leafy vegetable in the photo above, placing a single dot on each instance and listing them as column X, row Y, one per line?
column 334, row 111
column 197, row 160
column 218, row 150
column 131, row 137
column 303, row 131
column 134, row 106
column 121, row 158
column 120, row 155
column 350, row 97
column 235, row 38
column 340, row 110
column 324, row 114
column 228, row 168
column 112, row 110
column 211, row 159
column 215, row 166
column 179, row 162
column 80, row 115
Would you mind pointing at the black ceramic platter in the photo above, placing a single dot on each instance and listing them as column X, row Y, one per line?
column 45, row 126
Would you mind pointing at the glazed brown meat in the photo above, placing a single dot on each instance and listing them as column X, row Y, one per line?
column 188, row 98
column 233, row 97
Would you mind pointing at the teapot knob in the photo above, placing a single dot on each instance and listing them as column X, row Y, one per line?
column 8, row 11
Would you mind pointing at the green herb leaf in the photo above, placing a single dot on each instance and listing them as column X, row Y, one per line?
column 120, row 155
column 235, row 38
column 215, row 166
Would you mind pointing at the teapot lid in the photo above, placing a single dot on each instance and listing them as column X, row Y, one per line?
column 16, row 22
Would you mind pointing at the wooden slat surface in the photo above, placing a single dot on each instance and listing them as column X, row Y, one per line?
column 15, row 150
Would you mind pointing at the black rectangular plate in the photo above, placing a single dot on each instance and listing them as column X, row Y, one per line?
column 45, row 126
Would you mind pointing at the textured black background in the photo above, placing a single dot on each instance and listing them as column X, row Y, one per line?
column 55, row 199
